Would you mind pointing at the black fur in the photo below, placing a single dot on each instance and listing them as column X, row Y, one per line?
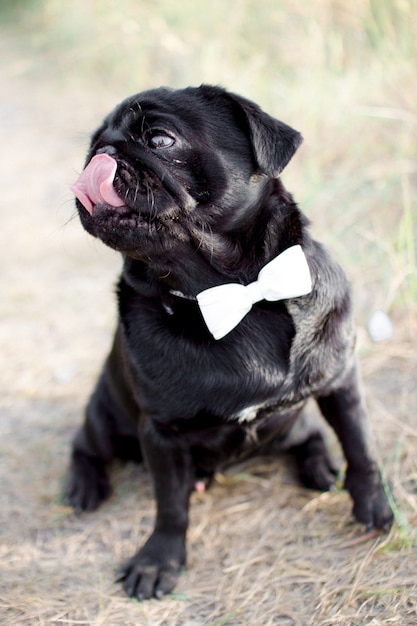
column 206, row 210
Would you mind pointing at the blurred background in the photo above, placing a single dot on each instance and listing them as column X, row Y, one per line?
column 342, row 72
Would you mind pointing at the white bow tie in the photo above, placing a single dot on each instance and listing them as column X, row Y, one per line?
column 224, row 306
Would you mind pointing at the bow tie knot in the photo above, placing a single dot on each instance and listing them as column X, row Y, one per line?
column 286, row 276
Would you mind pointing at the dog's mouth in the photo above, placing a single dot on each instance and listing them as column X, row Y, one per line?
column 95, row 185
column 118, row 209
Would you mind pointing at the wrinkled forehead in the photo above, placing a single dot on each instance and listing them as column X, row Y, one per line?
column 210, row 114
column 205, row 119
column 175, row 108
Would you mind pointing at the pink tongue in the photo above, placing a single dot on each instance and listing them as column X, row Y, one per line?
column 95, row 184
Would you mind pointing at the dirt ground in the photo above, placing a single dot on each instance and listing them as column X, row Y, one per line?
column 262, row 550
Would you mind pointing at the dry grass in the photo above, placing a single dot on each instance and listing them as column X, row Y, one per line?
column 262, row 550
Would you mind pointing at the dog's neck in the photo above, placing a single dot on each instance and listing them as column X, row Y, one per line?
column 235, row 256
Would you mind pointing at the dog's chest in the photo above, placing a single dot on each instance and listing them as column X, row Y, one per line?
column 181, row 371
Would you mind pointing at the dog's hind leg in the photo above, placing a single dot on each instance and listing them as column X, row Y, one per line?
column 306, row 441
column 93, row 448
column 316, row 468
column 109, row 431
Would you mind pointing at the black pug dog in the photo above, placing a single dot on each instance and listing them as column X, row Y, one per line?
column 184, row 183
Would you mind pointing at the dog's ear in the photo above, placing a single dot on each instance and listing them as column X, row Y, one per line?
column 274, row 143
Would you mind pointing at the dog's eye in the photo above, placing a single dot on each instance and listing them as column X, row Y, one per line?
column 160, row 140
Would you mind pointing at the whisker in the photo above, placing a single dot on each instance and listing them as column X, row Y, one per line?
column 72, row 217
column 135, row 197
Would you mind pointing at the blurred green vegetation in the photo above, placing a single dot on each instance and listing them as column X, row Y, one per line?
column 343, row 72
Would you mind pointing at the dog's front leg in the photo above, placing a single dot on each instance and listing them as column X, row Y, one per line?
column 345, row 411
column 154, row 570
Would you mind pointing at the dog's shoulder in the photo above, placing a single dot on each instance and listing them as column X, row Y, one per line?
column 324, row 338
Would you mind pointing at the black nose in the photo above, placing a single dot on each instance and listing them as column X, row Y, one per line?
column 110, row 150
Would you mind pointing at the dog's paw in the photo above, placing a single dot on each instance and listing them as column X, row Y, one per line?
column 318, row 473
column 370, row 502
column 87, row 485
column 154, row 570
column 315, row 466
